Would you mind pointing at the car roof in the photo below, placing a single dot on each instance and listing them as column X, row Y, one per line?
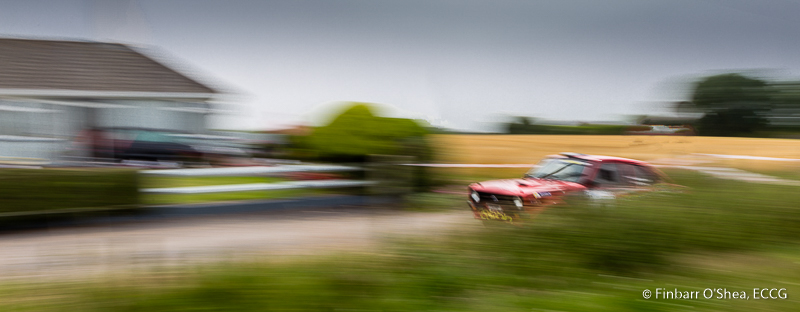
column 600, row 158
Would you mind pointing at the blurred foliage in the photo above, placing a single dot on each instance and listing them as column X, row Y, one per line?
column 786, row 94
column 734, row 105
column 526, row 125
column 432, row 201
column 392, row 176
column 36, row 190
column 462, row 177
column 715, row 234
column 731, row 122
column 729, row 91
column 789, row 174
column 357, row 132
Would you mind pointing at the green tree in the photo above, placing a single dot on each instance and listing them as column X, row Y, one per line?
column 787, row 94
column 733, row 104
column 731, row 91
column 522, row 125
column 731, row 122
column 358, row 132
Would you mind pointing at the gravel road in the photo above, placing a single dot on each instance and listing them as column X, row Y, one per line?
column 80, row 252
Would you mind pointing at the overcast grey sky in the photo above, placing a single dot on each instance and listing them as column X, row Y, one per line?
column 456, row 63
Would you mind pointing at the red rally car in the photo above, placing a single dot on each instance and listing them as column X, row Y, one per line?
column 597, row 177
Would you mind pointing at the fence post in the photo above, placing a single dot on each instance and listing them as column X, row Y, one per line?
column 394, row 179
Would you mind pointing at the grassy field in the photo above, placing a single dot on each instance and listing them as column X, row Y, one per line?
column 717, row 234
column 788, row 175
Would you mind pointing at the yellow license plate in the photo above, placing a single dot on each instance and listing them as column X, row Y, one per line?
column 495, row 215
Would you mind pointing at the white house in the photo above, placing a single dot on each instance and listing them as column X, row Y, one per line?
column 52, row 90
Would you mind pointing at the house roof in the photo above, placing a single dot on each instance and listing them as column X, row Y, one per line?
column 44, row 65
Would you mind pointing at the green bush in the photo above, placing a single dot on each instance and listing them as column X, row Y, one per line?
column 40, row 190
column 357, row 132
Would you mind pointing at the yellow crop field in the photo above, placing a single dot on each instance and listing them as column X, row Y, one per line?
column 528, row 149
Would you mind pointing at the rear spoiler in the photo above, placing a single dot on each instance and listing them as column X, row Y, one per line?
column 572, row 155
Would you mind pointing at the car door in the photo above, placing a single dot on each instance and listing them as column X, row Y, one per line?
column 609, row 181
column 638, row 176
column 608, row 176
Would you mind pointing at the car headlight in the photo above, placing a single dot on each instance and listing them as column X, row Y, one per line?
column 475, row 196
column 518, row 202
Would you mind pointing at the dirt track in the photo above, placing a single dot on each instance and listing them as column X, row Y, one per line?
column 82, row 252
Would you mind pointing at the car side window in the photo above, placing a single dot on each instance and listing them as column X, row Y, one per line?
column 607, row 174
column 644, row 176
column 627, row 174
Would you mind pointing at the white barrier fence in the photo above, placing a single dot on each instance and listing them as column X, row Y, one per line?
column 258, row 187
column 248, row 171
column 254, row 171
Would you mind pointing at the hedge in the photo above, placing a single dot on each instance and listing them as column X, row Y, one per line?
column 516, row 128
column 24, row 191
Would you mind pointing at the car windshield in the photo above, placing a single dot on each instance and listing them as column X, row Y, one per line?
column 558, row 169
